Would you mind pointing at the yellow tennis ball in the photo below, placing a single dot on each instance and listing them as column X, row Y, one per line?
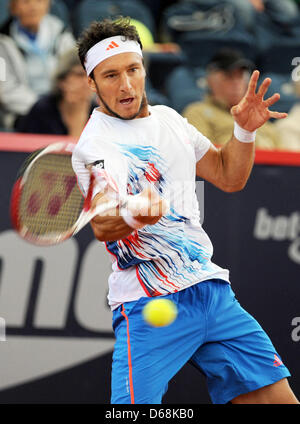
column 160, row 312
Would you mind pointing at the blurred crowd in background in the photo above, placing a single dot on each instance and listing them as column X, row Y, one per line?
column 199, row 55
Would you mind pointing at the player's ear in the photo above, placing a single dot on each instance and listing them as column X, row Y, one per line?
column 92, row 84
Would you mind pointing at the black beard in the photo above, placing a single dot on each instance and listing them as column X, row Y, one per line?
column 116, row 115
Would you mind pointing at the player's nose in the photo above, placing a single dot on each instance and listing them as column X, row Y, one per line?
column 125, row 84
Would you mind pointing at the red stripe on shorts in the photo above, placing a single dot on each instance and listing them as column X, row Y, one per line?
column 129, row 356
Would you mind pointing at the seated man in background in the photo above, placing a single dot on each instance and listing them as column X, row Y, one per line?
column 227, row 79
column 290, row 131
column 34, row 41
column 281, row 12
column 66, row 109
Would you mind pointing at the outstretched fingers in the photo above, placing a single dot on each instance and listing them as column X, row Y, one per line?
column 271, row 100
column 278, row 115
column 264, row 87
column 252, row 83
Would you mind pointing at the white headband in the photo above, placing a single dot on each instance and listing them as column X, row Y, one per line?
column 108, row 48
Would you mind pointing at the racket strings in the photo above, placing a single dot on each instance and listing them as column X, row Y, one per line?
column 51, row 201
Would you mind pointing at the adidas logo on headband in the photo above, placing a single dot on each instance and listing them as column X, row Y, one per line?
column 112, row 45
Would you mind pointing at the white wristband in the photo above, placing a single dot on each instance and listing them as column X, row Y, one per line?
column 243, row 135
column 134, row 204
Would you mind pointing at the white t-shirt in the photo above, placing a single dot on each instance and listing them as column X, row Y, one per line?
column 161, row 149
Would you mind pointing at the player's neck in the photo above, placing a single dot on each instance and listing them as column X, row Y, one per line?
column 144, row 112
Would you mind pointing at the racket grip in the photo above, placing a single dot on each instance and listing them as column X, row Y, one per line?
column 86, row 217
column 133, row 205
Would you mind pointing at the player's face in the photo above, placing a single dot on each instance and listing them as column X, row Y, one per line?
column 119, row 82
column 30, row 12
column 229, row 87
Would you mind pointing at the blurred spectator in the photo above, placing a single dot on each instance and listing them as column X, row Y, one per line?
column 36, row 41
column 227, row 78
column 67, row 108
column 288, row 128
column 280, row 11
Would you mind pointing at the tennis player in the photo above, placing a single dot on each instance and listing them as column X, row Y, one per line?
column 167, row 253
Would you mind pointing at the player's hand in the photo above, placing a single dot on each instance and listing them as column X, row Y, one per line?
column 155, row 209
column 253, row 110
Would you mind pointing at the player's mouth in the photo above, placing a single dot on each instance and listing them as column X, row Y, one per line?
column 127, row 102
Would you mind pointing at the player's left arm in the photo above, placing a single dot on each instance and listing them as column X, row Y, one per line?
column 229, row 167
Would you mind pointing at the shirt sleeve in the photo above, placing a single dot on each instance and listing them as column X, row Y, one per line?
column 200, row 143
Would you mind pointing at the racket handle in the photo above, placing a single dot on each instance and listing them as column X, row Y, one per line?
column 86, row 217
column 136, row 206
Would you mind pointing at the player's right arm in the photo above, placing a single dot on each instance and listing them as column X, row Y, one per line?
column 112, row 226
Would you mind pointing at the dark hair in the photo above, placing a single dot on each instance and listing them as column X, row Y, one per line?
column 106, row 28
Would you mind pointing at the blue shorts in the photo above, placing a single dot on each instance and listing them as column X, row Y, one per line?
column 212, row 331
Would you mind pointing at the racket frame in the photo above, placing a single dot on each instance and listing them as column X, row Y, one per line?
column 84, row 218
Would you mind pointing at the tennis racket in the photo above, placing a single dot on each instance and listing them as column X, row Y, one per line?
column 47, row 206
